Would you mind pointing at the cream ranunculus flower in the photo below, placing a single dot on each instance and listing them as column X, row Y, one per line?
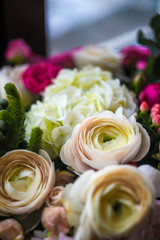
column 26, row 180
column 101, row 56
column 104, row 139
column 13, row 75
column 115, row 201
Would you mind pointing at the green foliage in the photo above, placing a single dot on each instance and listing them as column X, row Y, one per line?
column 16, row 117
column 152, row 71
column 153, row 43
column 13, row 116
column 35, row 142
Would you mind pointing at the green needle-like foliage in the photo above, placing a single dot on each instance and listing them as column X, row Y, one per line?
column 14, row 117
column 35, row 142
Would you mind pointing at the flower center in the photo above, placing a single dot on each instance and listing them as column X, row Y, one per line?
column 21, row 179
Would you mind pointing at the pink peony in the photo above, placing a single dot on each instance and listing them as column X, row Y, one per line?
column 137, row 55
column 65, row 59
column 38, row 76
column 150, row 94
column 18, row 49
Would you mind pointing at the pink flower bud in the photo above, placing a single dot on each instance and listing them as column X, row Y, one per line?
column 10, row 229
column 54, row 219
column 54, row 198
column 156, row 106
column 156, row 120
column 154, row 113
column 18, row 48
column 64, row 177
column 144, row 106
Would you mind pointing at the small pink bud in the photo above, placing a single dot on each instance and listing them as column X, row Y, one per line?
column 54, row 197
column 144, row 106
column 154, row 112
column 156, row 120
column 156, row 107
column 55, row 220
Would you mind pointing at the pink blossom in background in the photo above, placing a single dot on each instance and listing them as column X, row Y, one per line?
column 150, row 94
column 38, row 76
column 155, row 110
column 18, row 48
column 65, row 59
column 55, row 220
column 144, row 107
column 11, row 229
column 156, row 120
column 137, row 55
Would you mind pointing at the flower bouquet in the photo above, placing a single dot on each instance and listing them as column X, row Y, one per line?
column 79, row 142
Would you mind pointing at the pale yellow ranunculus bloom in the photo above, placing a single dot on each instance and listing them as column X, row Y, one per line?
column 26, row 180
column 112, row 203
column 104, row 139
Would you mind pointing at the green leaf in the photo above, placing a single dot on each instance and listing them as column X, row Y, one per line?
column 155, row 25
column 156, row 156
column 149, row 69
column 35, row 142
column 15, row 117
column 145, row 41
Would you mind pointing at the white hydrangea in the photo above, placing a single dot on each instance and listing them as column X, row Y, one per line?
column 74, row 96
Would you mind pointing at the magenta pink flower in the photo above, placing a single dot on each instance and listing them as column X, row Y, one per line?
column 150, row 94
column 18, row 49
column 40, row 75
column 136, row 55
column 65, row 59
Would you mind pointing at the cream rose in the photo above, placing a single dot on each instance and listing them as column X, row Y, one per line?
column 115, row 201
column 105, row 139
column 26, row 180
column 13, row 75
column 100, row 56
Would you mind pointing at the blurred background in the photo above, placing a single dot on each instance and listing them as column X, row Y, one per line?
column 52, row 26
column 71, row 23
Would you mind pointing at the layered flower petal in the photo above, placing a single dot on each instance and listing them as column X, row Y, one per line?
column 26, row 180
column 105, row 139
column 98, row 56
column 116, row 202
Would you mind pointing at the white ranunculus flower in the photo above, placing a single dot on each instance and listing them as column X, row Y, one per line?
column 100, row 56
column 111, row 203
column 74, row 96
column 13, row 75
column 104, row 139
column 26, row 180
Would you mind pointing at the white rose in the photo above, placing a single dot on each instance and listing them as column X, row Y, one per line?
column 104, row 139
column 13, row 75
column 100, row 56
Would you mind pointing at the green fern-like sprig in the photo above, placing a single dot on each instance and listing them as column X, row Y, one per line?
column 35, row 141
column 16, row 117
